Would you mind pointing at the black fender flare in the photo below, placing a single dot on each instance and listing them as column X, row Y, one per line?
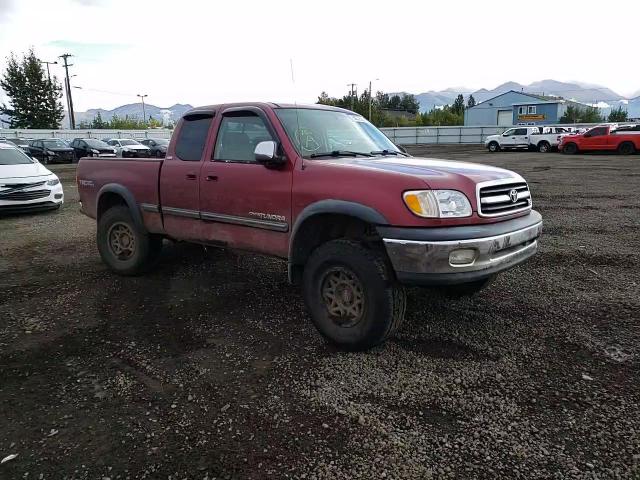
column 129, row 199
column 336, row 207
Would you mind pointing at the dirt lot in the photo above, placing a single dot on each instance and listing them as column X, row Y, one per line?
column 209, row 367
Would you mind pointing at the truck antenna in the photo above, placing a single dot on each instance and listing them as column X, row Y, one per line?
column 295, row 102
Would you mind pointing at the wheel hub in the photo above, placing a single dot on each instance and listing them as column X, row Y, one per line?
column 121, row 240
column 343, row 296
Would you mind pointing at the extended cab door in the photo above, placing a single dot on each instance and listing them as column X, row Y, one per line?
column 243, row 203
column 179, row 177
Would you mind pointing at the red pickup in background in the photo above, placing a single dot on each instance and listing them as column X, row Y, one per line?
column 624, row 140
column 355, row 217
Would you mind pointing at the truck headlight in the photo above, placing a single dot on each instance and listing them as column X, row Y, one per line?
column 437, row 203
column 53, row 181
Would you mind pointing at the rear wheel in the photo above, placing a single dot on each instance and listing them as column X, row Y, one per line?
column 626, row 148
column 123, row 246
column 570, row 148
column 544, row 147
column 494, row 147
column 352, row 296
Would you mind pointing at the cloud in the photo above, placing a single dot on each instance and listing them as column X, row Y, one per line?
column 6, row 7
column 90, row 52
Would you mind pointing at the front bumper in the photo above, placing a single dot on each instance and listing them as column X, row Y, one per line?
column 423, row 256
column 41, row 198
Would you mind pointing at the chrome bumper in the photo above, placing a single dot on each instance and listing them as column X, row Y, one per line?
column 430, row 262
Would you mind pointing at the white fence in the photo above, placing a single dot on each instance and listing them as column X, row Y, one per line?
column 71, row 134
column 461, row 135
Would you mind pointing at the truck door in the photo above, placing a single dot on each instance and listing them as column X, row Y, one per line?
column 508, row 138
column 521, row 137
column 179, row 177
column 242, row 202
column 595, row 139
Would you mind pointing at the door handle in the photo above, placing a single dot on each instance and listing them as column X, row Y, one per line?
column 191, row 176
column 211, row 178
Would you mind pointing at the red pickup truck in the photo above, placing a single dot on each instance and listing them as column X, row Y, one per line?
column 624, row 139
column 356, row 217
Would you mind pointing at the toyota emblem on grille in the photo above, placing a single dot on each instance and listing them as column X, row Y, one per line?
column 513, row 194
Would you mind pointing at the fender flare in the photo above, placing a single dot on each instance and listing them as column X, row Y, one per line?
column 339, row 207
column 129, row 199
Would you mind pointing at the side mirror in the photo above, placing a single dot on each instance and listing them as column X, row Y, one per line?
column 267, row 154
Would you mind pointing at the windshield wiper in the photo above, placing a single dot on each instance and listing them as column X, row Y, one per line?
column 389, row 152
column 340, row 153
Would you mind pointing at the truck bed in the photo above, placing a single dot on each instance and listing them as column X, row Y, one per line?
column 140, row 176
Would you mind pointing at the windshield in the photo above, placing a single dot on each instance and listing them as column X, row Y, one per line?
column 161, row 141
column 315, row 131
column 18, row 141
column 55, row 143
column 128, row 142
column 13, row 156
column 95, row 143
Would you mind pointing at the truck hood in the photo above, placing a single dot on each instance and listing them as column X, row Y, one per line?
column 437, row 173
column 22, row 171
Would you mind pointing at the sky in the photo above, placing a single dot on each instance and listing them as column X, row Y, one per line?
column 205, row 52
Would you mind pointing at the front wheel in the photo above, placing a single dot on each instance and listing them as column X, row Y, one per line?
column 351, row 295
column 123, row 245
column 570, row 149
column 494, row 147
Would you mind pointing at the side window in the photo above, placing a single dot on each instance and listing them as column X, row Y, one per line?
column 511, row 131
column 522, row 110
column 238, row 136
column 520, row 131
column 531, row 109
column 193, row 137
column 597, row 132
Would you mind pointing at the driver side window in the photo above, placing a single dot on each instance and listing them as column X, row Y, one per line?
column 238, row 135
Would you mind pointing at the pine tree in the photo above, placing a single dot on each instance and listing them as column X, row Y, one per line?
column 471, row 102
column 34, row 100
column 458, row 105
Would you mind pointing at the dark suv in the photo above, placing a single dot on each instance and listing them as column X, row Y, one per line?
column 92, row 147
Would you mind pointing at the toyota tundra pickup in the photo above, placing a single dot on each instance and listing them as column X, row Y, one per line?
column 356, row 218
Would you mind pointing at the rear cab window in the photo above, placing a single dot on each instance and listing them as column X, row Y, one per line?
column 192, row 137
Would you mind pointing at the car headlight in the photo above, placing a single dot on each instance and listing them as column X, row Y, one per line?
column 49, row 152
column 437, row 203
column 93, row 150
column 53, row 181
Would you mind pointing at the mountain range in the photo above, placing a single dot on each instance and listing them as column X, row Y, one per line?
column 603, row 97
column 167, row 115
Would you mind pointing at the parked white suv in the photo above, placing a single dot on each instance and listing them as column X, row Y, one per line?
column 26, row 184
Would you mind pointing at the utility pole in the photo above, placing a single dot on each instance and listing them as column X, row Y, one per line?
column 144, row 114
column 371, row 97
column 351, row 93
column 72, row 120
column 48, row 72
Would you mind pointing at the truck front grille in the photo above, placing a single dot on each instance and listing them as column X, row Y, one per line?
column 503, row 199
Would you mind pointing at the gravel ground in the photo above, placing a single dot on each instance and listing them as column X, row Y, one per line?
column 209, row 367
